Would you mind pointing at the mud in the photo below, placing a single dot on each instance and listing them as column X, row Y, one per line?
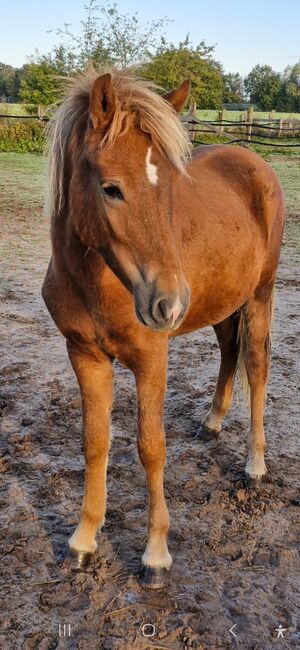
column 235, row 551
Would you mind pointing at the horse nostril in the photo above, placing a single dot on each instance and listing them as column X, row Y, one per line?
column 163, row 309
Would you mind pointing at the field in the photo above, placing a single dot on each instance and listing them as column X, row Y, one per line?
column 204, row 114
column 15, row 109
column 236, row 552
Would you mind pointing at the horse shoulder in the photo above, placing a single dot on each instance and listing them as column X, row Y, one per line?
column 65, row 305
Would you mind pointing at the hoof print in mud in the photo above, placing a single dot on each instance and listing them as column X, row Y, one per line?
column 151, row 578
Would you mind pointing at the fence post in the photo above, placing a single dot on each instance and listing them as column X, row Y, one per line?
column 222, row 117
column 192, row 114
column 40, row 115
column 271, row 119
column 249, row 120
column 280, row 123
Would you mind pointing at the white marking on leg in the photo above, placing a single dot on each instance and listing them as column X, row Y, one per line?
column 82, row 542
column 213, row 420
column 256, row 467
column 81, row 539
column 151, row 170
column 157, row 555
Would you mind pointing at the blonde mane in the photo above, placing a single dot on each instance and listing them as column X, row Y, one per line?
column 136, row 100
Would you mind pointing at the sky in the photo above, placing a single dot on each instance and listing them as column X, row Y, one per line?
column 245, row 33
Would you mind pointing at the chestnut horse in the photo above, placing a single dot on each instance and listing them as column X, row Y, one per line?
column 150, row 241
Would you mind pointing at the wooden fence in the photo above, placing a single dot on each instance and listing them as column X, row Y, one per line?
column 249, row 129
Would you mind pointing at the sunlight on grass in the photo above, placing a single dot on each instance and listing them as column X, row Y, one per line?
column 22, row 180
column 288, row 172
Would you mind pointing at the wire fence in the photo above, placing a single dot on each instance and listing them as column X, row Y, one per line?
column 244, row 132
column 280, row 132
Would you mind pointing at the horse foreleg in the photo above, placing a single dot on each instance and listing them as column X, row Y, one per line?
column 94, row 375
column 227, row 335
column 151, row 384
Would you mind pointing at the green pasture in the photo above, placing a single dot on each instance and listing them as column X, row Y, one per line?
column 15, row 109
column 22, row 180
column 202, row 114
column 235, row 116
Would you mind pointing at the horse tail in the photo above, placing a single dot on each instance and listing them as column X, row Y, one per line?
column 242, row 351
column 242, row 339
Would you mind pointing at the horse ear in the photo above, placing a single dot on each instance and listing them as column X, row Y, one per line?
column 102, row 102
column 179, row 96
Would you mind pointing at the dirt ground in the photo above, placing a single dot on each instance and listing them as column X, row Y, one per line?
column 235, row 552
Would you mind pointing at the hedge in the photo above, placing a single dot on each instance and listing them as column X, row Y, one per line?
column 21, row 136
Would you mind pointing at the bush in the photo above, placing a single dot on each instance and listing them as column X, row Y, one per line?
column 21, row 136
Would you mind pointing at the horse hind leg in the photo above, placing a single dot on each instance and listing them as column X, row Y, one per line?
column 227, row 335
column 255, row 352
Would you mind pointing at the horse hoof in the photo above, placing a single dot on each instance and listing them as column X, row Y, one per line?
column 78, row 560
column 254, row 483
column 154, row 578
column 207, row 434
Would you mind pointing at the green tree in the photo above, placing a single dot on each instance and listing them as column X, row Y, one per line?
column 106, row 36
column 289, row 96
column 39, row 84
column 172, row 64
column 233, row 88
column 109, row 36
column 41, row 77
column 263, row 86
column 9, row 82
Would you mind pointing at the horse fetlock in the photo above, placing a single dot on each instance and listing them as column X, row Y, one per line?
column 256, row 467
column 157, row 555
column 212, row 422
column 156, row 564
column 82, row 541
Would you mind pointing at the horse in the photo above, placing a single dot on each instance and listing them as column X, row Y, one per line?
column 151, row 240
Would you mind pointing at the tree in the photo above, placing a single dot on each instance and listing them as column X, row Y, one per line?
column 289, row 96
column 233, row 88
column 39, row 83
column 108, row 36
column 9, row 82
column 263, row 86
column 172, row 64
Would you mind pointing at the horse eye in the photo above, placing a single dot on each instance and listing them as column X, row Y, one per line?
column 113, row 192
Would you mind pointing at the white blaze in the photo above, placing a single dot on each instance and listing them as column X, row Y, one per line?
column 151, row 170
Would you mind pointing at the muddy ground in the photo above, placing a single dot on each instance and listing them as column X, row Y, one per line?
column 235, row 552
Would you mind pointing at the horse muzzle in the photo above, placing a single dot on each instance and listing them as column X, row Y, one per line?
column 159, row 310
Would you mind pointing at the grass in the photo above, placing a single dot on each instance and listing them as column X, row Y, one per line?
column 288, row 172
column 235, row 116
column 264, row 150
column 15, row 109
column 202, row 114
column 22, row 180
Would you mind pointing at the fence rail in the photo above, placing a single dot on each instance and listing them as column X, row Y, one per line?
column 248, row 130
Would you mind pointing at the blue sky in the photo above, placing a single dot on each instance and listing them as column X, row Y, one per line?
column 246, row 33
